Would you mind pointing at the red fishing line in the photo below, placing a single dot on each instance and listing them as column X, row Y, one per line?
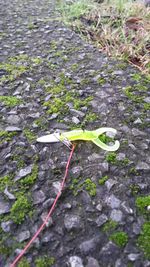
column 49, row 213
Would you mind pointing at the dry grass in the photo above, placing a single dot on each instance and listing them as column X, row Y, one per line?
column 120, row 28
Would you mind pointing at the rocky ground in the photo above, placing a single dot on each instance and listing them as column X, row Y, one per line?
column 52, row 80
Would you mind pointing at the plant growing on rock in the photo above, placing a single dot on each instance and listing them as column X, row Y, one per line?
column 144, row 240
column 20, row 209
column 119, row 238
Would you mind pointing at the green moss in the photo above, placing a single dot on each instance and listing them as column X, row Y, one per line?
column 124, row 143
column 56, row 89
column 77, row 185
column 3, row 34
column 119, row 238
column 18, row 153
column 18, row 65
column 41, row 123
column 144, row 240
column 6, row 180
column 19, row 59
column 102, row 180
column 134, row 189
column 109, row 226
column 20, row 164
column 85, row 81
column 121, row 65
column 59, row 104
column 31, row 137
column 44, row 261
column 101, row 81
column 78, row 103
column 64, row 80
column 32, row 26
column 55, row 106
column 136, row 77
column 65, row 58
column 30, row 179
column 142, row 203
column 61, row 97
column 10, row 101
column 42, row 82
column 52, row 66
column 146, row 80
column 58, row 53
column 91, row 117
column 6, row 136
column 8, row 243
column 132, row 170
column 90, row 187
column 124, row 162
column 132, row 96
column 5, row 250
column 140, row 87
column 74, row 67
column 147, row 106
column 111, row 157
column 36, row 60
column 53, row 45
column 20, row 209
column 15, row 70
column 24, row 263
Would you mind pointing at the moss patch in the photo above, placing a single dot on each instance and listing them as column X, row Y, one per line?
column 4, row 249
column 101, row 81
column 31, row 137
column 61, row 97
column 6, row 136
column 142, row 203
column 20, row 209
column 135, row 189
column 10, row 101
column 23, row 263
column 91, row 117
column 144, row 240
column 119, row 238
column 111, row 157
column 90, row 187
column 6, row 180
column 18, row 65
column 13, row 71
column 109, row 226
column 30, row 179
column 129, row 92
column 147, row 106
column 44, row 261
column 41, row 122
column 103, row 179
column 77, row 185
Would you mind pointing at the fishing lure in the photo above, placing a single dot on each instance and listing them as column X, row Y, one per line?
column 84, row 135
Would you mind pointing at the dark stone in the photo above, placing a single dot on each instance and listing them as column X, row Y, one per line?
column 87, row 247
column 72, row 222
column 109, row 253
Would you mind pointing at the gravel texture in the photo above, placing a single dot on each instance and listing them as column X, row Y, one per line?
column 41, row 61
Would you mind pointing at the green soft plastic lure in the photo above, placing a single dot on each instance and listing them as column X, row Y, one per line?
column 84, row 135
